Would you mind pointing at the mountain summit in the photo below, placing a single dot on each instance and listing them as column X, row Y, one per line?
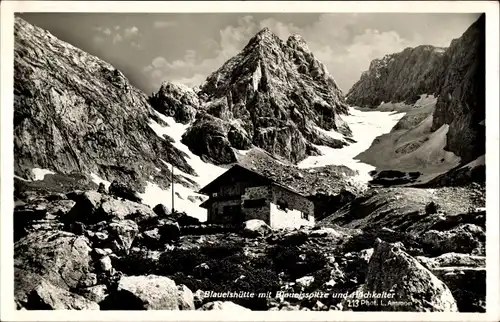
column 273, row 95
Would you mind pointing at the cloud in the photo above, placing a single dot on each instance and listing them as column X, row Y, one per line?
column 131, row 32
column 335, row 39
column 117, row 35
column 164, row 24
column 192, row 70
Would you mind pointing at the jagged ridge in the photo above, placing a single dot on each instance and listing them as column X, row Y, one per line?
column 274, row 95
column 399, row 77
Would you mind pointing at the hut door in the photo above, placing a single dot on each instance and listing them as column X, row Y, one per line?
column 233, row 212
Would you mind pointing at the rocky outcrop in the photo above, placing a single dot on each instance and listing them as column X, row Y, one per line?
column 75, row 112
column 413, row 287
column 149, row 292
column 177, row 101
column 59, row 258
column 465, row 276
column 92, row 207
column 209, row 138
column 275, row 95
column 121, row 190
column 399, row 77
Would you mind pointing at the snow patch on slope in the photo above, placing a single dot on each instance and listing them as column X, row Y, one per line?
column 206, row 172
column 98, row 180
column 39, row 173
column 365, row 126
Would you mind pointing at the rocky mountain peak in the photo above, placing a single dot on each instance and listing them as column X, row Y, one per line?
column 264, row 37
column 273, row 95
column 296, row 42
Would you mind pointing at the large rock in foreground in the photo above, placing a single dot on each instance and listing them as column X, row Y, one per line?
column 48, row 297
column 415, row 288
column 149, row 292
column 60, row 258
column 222, row 306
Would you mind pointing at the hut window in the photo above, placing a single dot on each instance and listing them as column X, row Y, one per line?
column 282, row 205
column 254, row 203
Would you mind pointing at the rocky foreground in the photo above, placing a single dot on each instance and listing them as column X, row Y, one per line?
column 99, row 250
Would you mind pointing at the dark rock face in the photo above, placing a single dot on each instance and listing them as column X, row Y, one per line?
column 274, row 95
column 461, row 101
column 176, row 101
column 75, row 112
column 120, row 190
column 207, row 137
column 399, row 77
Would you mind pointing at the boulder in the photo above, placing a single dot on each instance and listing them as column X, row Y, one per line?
column 105, row 264
column 201, row 270
column 325, row 232
column 304, row 282
column 121, row 190
column 169, row 231
column 431, row 208
column 102, row 188
column 452, row 259
column 465, row 276
column 467, row 284
column 465, row 238
column 298, row 237
column 95, row 293
column 186, row 298
column 161, row 210
column 222, row 306
column 149, row 292
column 393, row 271
column 121, row 235
column 92, row 207
column 58, row 257
column 151, row 238
column 256, row 228
column 124, row 209
column 88, row 281
column 39, row 214
column 49, row 297
column 186, row 220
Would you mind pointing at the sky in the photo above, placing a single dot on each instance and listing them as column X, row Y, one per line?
column 185, row 48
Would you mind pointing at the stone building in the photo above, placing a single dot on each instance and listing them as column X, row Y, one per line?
column 240, row 194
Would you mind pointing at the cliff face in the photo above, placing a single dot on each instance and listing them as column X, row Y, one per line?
column 456, row 76
column 461, row 101
column 273, row 94
column 76, row 113
column 400, row 77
